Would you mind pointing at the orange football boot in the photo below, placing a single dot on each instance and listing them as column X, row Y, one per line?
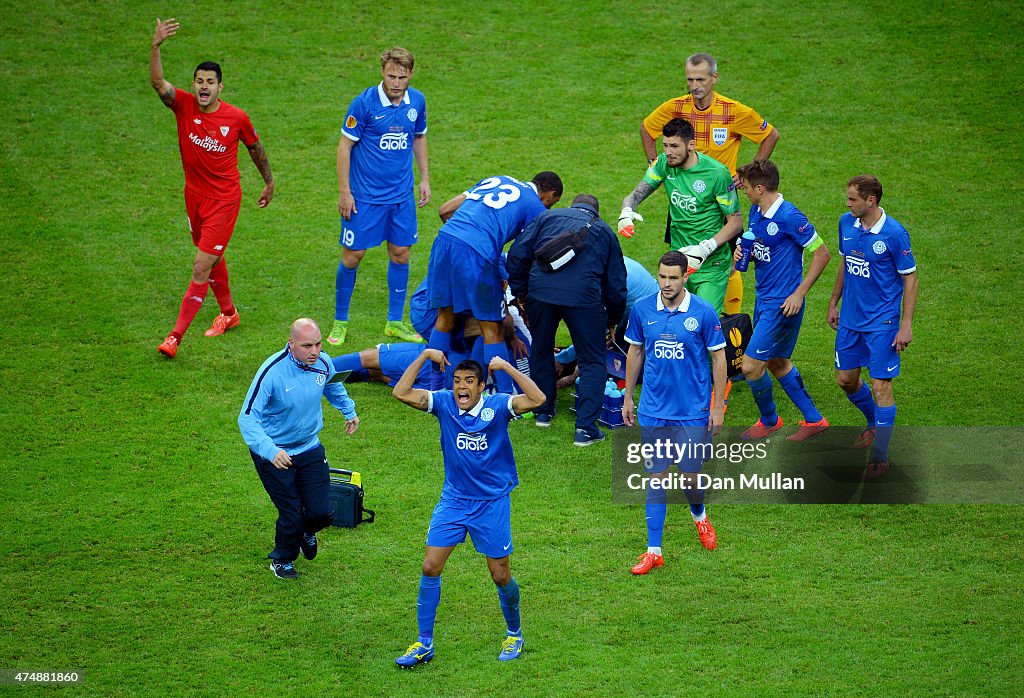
column 221, row 324
column 707, row 534
column 647, row 562
column 808, row 429
column 759, row 430
column 169, row 347
column 866, row 438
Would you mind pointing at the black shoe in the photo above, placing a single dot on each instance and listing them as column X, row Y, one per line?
column 284, row 570
column 585, row 439
column 308, row 545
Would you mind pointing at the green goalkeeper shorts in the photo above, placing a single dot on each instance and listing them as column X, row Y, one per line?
column 710, row 283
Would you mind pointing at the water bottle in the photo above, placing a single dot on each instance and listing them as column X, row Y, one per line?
column 746, row 249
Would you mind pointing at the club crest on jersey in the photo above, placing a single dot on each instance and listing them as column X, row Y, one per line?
column 224, row 130
column 350, row 122
column 412, row 114
column 198, row 121
column 486, row 414
column 699, row 186
column 773, row 228
column 719, row 135
column 321, row 379
column 691, row 324
column 878, row 247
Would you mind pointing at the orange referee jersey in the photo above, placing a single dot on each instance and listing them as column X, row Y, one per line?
column 718, row 129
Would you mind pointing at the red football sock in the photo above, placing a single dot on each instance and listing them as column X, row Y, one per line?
column 219, row 285
column 190, row 305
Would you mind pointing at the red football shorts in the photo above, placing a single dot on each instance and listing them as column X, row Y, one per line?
column 211, row 221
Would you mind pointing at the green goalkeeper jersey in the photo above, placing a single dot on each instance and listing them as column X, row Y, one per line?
column 699, row 200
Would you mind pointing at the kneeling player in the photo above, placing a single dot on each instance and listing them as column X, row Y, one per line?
column 670, row 335
column 782, row 233
column 479, row 475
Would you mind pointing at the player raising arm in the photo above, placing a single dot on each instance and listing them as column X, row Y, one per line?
column 208, row 133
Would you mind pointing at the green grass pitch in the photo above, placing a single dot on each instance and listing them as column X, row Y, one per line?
column 133, row 528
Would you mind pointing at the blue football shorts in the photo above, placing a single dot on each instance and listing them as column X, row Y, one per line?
column 774, row 334
column 395, row 358
column 460, row 279
column 872, row 349
column 691, row 435
column 487, row 521
column 374, row 224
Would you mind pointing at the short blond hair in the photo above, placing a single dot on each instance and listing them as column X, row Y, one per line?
column 398, row 56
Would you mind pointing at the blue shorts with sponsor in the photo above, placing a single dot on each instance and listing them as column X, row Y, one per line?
column 487, row 521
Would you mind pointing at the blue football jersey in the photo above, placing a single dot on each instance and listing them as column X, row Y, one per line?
column 875, row 261
column 478, row 459
column 780, row 235
column 381, row 164
column 494, row 212
column 677, row 373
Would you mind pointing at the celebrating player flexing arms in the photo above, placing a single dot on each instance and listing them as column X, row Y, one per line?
column 877, row 283
column 208, row 133
column 719, row 125
column 479, row 475
column 782, row 234
column 384, row 127
column 703, row 208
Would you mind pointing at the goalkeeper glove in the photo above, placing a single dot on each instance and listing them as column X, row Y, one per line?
column 626, row 219
column 702, row 249
column 694, row 260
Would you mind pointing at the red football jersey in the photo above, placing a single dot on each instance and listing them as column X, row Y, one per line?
column 209, row 145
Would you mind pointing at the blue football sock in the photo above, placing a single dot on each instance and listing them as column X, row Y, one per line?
column 656, row 510
column 885, row 418
column 762, row 390
column 508, row 595
column 502, row 380
column 864, row 402
column 426, row 607
column 567, row 355
column 347, row 362
column 793, row 384
column 344, row 285
column 398, row 283
column 695, row 496
column 441, row 341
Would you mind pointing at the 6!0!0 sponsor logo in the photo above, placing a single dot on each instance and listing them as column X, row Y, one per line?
column 471, row 442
